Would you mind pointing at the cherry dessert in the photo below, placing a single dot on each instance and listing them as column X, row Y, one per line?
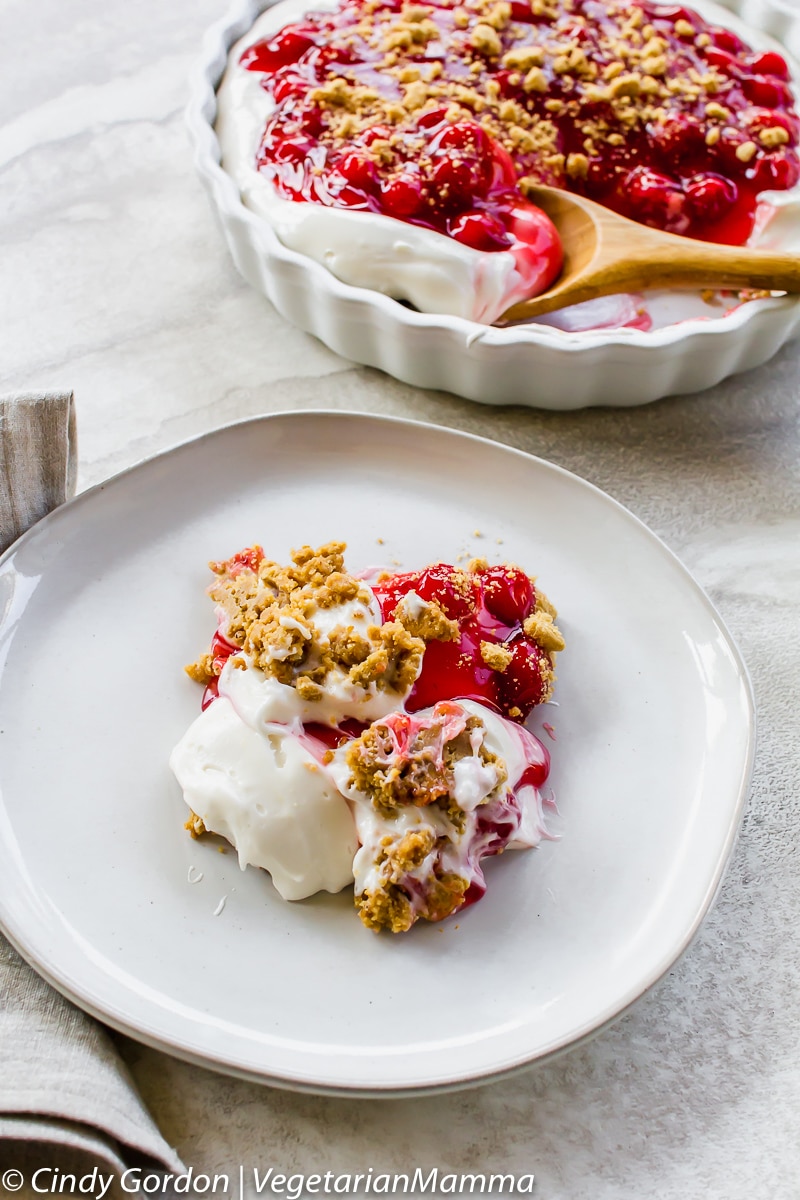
column 440, row 114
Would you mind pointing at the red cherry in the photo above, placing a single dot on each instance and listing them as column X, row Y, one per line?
column 504, row 173
column 521, row 683
column 292, row 149
column 350, row 197
column 521, row 11
column 776, row 172
column 289, row 46
column 481, row 230
column 456, row 182
column 463, row 136
column 709, row 196
column 402, row 197
column 508, row 90
column 382, row 132
column 726, row 40
column 327, row 56
column 287, row 84
column 531, row 225
column 470, row 143
column 577, row 32
column 430, row 119
column 767, row 118
column 669, row 12
column 442, row 584
column 310, row 121
column 507, row 593
column 656, row 200
column 768, row 93
column 769, row 63
column 679, row 139
column 359, row 171
column 723, row 61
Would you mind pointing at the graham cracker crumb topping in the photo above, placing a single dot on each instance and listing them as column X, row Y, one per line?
column 195, row 825
column 270, row 610
column 495, row 655
column 422, row 772
column 404, row 763
column 389, row 908
column 539, row 626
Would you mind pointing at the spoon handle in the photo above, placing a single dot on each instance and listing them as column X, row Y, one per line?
column 607, row 254
column 692, row 263
column 671, row 262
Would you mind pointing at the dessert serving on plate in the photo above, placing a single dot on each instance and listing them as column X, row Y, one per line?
column 370, row 728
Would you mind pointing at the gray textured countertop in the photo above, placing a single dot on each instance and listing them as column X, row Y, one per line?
column 115, row 282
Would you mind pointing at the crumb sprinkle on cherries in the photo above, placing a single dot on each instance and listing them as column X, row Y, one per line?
column 440, row 114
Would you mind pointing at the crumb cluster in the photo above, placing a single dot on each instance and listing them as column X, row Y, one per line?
column 390, row 908
column 401, row 763
column 395, row 770
column 541, row 628
column 271, row 610
column 427, row 620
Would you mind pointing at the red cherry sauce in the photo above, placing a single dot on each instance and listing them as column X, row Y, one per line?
column 647, row 108
column 221, row 648
column 498, row 822
column 489, row 606
column 321, row 740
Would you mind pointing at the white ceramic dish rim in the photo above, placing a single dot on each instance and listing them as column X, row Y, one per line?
column 200, row 116
column 141, row 1030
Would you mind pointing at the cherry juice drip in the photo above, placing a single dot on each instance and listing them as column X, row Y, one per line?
column 494, row 830
column 221, row 650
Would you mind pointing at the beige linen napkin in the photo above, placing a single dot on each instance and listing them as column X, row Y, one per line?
column 38, row 458
column 65, row 1096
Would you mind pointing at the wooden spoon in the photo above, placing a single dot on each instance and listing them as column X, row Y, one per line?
column 605, row 254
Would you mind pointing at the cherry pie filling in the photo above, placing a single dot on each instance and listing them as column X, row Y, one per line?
column 441, row 114
column 495, row 659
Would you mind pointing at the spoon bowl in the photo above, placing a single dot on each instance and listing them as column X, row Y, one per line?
column 606, row 254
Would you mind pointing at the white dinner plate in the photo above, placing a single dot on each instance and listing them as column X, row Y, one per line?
column 102, row 603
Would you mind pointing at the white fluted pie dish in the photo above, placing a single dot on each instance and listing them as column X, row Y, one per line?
column 691, row 346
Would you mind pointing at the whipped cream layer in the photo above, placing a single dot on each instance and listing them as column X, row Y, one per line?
column 263, row 791
column 435, row 273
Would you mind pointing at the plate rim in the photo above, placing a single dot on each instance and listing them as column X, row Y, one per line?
column 131, row 1027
